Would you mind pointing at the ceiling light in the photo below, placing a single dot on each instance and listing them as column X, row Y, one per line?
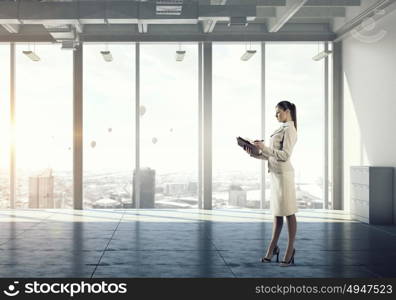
column 33, row 56
column 322, row 55
column 107, row 55
column 248, row 54
column 180, row 55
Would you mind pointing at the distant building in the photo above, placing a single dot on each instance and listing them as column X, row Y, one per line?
column 159, row 190
column 173, row 189
column 41, row 190
column 147, row 188
column 192, row 188
column 237, row 196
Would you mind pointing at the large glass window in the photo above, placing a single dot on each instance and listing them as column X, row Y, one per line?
column 44, row 127
column 236, row 112
column 5, row 125
column 169, row 126
column 109, row 125
column 292, row 74
column 168, row 123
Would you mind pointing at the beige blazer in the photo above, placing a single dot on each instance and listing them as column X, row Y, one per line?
column 279, row 159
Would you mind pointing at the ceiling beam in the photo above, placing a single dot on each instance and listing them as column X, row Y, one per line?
column 163, row 33
column 331, row 3
column 274, row 3
column 12, row 28
column 284, row 14
column 257, row 2
column 215, row 36
column 320, row 12
column 223, row 11
column 265, row 12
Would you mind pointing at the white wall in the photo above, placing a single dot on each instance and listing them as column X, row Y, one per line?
column 370, row 100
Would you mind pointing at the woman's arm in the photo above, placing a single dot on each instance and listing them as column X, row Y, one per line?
column 290, row 138
column 261, row 156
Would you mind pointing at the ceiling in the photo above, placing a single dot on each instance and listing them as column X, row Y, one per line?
column 71, row 21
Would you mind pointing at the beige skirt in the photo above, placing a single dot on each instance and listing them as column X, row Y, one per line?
column 283, row 194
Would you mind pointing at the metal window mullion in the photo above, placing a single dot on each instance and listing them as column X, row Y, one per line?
column 137, row 126
column 263, row 103
column 337, row 132
column 207, row 125
column 78, row 128
column 200, row 125
column 326, row 131
column 12, row 129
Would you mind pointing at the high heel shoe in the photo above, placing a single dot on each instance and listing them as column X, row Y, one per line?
column 274, row 252
column 288, row 263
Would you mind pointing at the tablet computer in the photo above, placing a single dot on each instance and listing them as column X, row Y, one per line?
column 245, row 143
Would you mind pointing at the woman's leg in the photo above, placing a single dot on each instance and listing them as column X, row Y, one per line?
column 276, row 231
column 292, row 229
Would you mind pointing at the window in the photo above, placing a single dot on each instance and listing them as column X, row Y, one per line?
column 169, row 126
column 236, row 112
column 5, row 126
column 109, row 126
column 44, row 127
column 292, row 75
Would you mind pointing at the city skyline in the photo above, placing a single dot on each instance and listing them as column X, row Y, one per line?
column 118, row 188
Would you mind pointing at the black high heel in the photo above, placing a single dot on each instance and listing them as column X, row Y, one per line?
column 288, row 263
column 275, row 251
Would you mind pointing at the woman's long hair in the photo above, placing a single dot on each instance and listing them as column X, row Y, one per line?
column 284, row 105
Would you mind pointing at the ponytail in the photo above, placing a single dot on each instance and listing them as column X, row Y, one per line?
column 284, row 105
column 293, row 112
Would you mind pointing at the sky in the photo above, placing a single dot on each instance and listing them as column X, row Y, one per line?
column 169, row 95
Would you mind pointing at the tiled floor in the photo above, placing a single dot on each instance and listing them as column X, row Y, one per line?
column 187, row 243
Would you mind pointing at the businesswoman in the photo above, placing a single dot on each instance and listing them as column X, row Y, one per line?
column 283, row 192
